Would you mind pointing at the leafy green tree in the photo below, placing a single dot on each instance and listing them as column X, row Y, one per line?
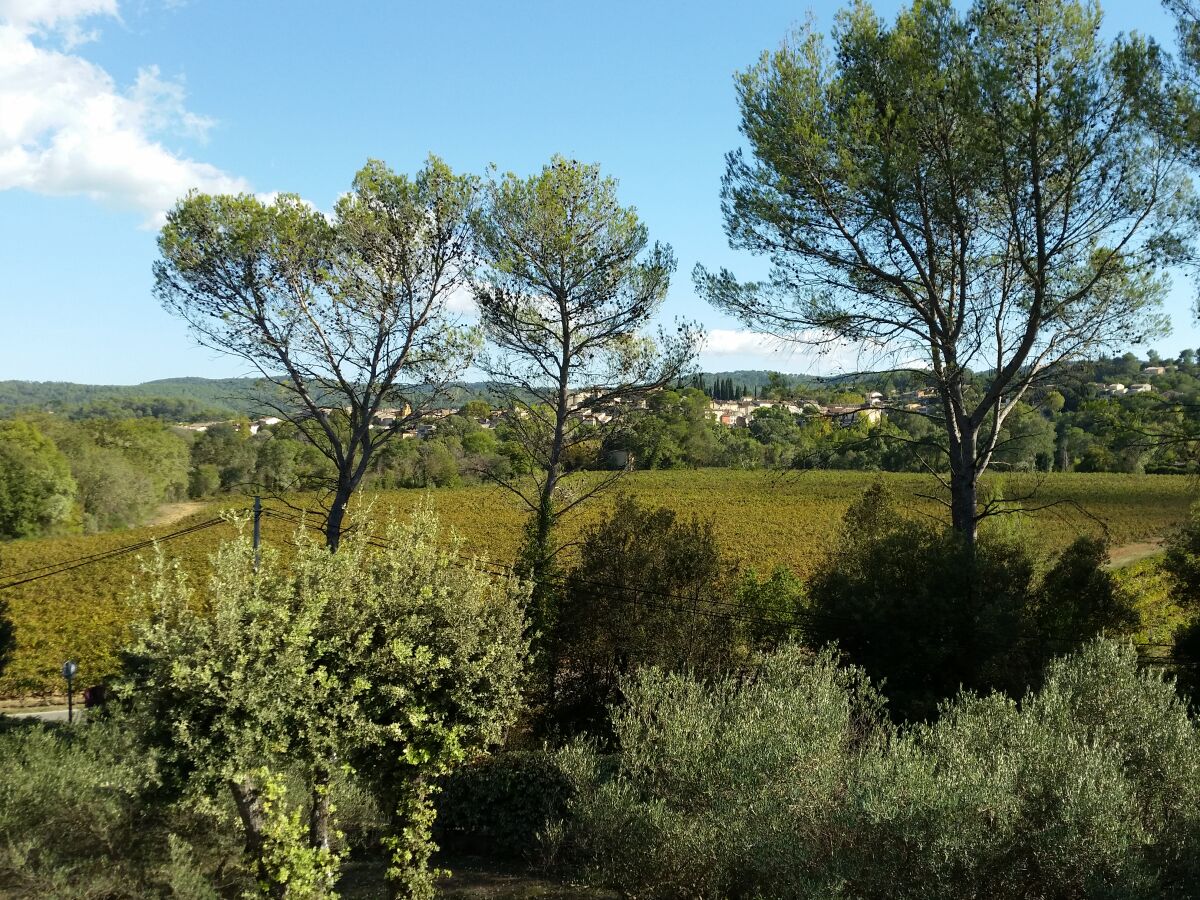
column 204, row 480
column 1182, row 560
column 673, row 430
column 650, row 588
column 476, row 409
column 1079, row 598
column 227, row 446
column 569, row 284
column 1026, row 442
column 124, row 468
column 993, row 189
column 396, row 662
column 113, row 491
column 150, row 448
column 37, row 492
column 346, row 316
column 901, row 599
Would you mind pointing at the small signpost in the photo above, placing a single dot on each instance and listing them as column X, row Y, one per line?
column 69, row 669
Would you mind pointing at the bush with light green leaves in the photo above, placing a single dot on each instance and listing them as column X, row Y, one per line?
column 270, row 681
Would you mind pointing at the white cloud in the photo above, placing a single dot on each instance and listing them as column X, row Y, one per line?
column 462, row 302
column 809, row 352
column 729, row 341
column 62, row 16
column 68, row 129
column 53, row 13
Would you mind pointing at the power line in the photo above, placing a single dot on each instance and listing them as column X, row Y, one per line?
column 807, row 618
column 97, row 555
column 79, row 562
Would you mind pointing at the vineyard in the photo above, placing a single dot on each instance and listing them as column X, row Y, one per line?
column 764, row 520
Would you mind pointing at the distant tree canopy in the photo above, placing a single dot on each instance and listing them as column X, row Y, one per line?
column 37, row 492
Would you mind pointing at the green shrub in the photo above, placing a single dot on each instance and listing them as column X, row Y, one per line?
column 1183, row 560
column 81, row 817
column 906, row 600
column 500, row 805
column 261, row 685
column 790, row 784
column 650, row 588
column 731, row 789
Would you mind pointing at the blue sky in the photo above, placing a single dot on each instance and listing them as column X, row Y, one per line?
column 110, row 108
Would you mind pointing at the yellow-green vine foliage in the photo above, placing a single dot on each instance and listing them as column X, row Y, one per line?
column 764, row 519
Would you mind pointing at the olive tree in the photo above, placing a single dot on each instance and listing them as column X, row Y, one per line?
column 569, row 284
column 346, row 315
column 394, row 661
column 980, row 194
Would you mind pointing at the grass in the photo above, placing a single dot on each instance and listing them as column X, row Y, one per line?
column 763, row 519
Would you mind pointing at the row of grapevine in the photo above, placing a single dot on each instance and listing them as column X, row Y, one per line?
column 763, row 519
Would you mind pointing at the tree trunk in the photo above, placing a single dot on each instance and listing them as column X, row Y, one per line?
column 337, row 514
column 964, row 489
column 411, row 846
column 246, row 799
column 540, row 569
column 318, row 820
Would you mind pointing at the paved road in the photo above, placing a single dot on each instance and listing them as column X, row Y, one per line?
column 46, row 715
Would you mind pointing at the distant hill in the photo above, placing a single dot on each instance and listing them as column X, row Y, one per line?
column 171, row 399
column 192, row 399
column 178, row 399
column 200, row 399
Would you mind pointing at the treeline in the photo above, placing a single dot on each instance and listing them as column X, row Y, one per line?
column 1071, row 425
column 59, row 476
column 94, row 474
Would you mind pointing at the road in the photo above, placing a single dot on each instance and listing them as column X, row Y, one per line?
column 45, row 715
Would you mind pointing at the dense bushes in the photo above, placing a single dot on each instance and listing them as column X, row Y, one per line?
column 905, row 599
column 501, row 805
column 793, row 784
column 653, row 588
column 81, row 817
column 1182, row 565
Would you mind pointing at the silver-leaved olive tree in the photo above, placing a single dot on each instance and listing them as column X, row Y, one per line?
column 394, row 659
column 346, row 315
column 982, row 192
